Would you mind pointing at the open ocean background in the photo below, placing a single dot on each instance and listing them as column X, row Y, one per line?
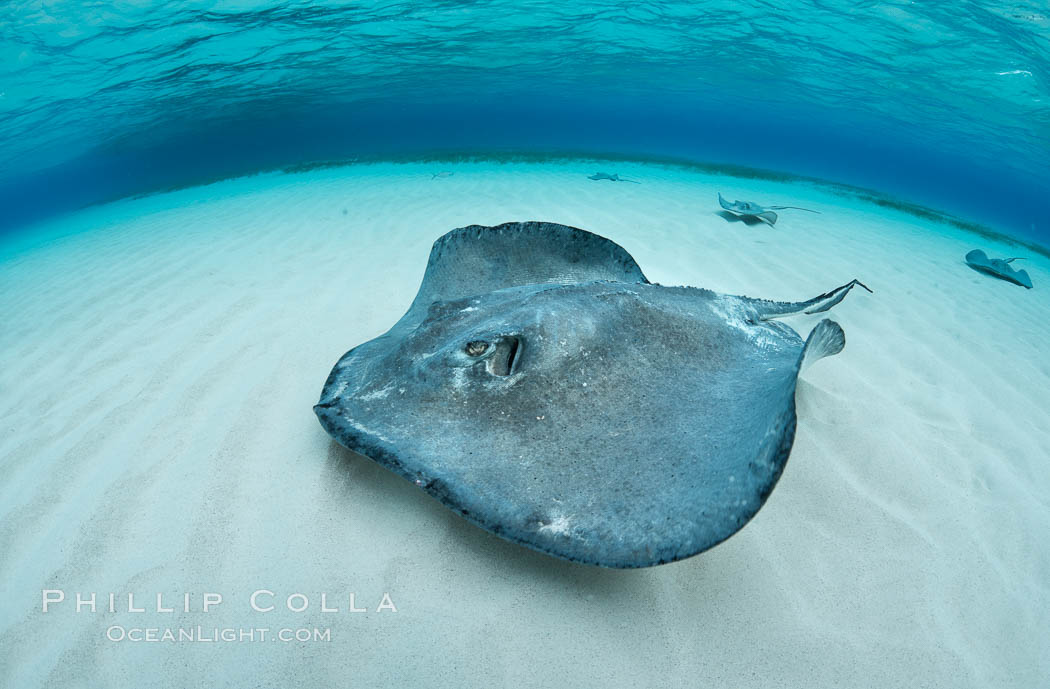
column 945, row 104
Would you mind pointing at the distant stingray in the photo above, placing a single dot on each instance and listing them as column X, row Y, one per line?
column 442, row 175
column 611, row 178
column 998, row 267
column 543, row 388
column 749, row 209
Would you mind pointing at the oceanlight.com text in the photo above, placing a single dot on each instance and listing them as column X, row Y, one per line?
column 200, row 634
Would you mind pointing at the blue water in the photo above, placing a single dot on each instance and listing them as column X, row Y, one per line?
column 946, row 104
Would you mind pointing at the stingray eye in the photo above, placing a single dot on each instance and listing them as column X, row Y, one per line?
column 477, row 347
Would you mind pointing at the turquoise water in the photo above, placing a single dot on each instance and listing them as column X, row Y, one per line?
column 942, row 104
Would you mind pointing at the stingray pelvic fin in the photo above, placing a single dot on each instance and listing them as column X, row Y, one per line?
column 827, row 339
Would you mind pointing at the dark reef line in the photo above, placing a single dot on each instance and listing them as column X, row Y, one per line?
column 668, row 162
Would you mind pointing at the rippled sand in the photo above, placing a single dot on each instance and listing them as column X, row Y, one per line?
column 160, row 360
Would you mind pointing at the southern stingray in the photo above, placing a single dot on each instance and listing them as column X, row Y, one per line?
column 543, row 388
column 615, row 177
column 999, row 267
column 749, row 209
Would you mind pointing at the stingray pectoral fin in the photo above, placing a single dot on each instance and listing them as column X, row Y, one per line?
column 476, row 260
column 976, row 257
column 819, row 304
column 827, row 339
column 768, row 217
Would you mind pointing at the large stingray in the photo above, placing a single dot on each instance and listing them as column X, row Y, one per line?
column 998, row 267
column 750, row 209
column 543, row 388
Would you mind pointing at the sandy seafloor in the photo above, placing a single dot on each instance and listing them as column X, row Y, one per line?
column 161, row 356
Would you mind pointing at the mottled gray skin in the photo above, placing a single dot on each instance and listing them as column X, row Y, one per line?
column 998, row 267
column 605, row 420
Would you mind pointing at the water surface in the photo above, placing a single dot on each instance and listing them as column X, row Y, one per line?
column 943, row 104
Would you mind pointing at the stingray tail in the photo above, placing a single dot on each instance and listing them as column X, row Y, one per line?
column 819, row 304
column 794, row 208
column 827, row 339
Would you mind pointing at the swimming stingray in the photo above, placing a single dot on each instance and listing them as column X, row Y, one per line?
column 999, row 267
column 611, row 178
column 543, row 388
column 749, row 209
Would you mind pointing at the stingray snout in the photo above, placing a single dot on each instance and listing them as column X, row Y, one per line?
column 330, row 398
column 327, row 414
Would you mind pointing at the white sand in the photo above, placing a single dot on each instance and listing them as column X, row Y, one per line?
column 160, row 360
